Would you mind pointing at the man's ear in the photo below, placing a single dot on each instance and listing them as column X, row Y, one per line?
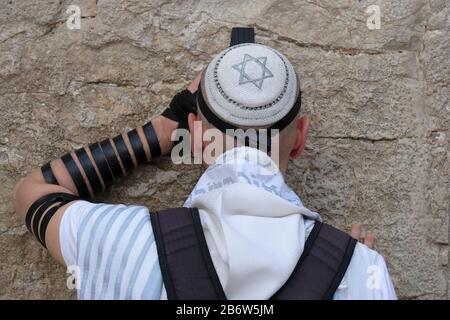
column 301, row 133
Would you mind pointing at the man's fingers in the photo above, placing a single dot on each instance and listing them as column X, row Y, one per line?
column 369, row 240
column 193, row 87
column 356, row 231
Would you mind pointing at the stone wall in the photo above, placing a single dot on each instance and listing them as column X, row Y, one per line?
column 379, row 100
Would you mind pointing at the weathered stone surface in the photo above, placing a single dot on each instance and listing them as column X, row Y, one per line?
column 379, row 145
column 382, row 184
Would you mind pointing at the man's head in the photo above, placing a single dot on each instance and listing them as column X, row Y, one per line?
column 252, row 86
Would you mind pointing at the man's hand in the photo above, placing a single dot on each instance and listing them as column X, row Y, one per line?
column 165, row 126
column 193, row 87
column 356, row 234
column 35, row 186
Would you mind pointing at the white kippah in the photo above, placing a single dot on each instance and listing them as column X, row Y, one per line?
column 250, row 85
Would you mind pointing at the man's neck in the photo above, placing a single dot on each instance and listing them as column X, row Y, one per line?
column 280, row 163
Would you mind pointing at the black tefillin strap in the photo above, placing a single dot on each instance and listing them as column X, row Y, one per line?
column 181, row 105
column 89, row 170
column 106, row 160
column 111, row 158
column 42, row 210
column 223, row 125
column 123, row 152
column 45, row 220
column 137, row 146
column 48, row 174
column 152, row 140
column 76, row 175
column 102, row 164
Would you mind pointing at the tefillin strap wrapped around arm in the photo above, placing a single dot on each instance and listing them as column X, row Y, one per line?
column 102, row 164
column 123, row 152
column 48, row 174
column 89, row 170
column 137, row 146
column 42, row 210
column 110, row 159
column 76, row 175
column 152, row 140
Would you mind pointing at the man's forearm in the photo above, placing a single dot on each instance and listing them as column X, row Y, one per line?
column 91, row 169
column 83, row 173
column 36, row 199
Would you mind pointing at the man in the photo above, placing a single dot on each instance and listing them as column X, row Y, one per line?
column 253, row 226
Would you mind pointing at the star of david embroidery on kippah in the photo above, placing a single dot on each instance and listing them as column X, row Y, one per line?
column 245, row 78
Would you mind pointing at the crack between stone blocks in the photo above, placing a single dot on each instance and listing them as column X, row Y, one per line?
column 10, row 37
column 53, row 25
column 373, row 140
column 26, row 92
column 327, row 48
column 420, row 295
column 109, row 84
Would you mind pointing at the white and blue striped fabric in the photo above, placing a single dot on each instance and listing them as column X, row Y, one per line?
column 113, row 249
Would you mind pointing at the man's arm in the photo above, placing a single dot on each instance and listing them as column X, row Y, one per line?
column 34, row 186
column 29, row 190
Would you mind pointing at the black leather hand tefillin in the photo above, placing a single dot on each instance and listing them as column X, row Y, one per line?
column 181, row 105
column 184, row 102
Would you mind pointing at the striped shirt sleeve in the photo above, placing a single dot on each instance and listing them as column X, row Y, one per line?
column 113, row 249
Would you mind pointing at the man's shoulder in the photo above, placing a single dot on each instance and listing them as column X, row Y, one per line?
column 110, row 242
column 83, row 210
column 82, row 205
column 86, row 225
